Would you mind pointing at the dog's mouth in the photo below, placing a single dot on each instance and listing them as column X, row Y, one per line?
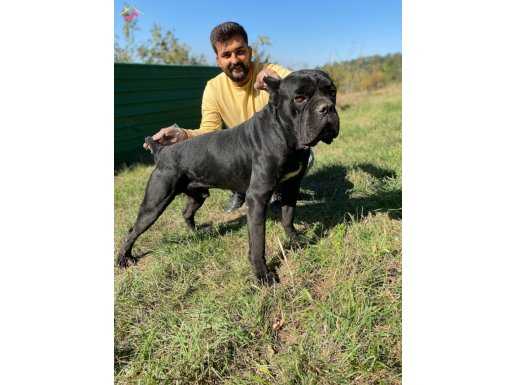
column 326, row 136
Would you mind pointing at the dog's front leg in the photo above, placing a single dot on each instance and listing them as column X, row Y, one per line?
column 289, row 196
column 256, row 218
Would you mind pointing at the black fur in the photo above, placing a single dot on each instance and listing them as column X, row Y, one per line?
column 253, row 157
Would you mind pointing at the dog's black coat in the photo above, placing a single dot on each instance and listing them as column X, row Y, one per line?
column 255, row 157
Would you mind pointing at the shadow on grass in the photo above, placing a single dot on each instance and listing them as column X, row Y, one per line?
column 325, row 201
column 331, row 203
column 205, row 231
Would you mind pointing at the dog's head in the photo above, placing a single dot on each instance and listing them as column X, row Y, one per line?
column 306, row 101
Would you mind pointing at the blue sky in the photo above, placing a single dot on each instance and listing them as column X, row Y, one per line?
column 304, row 34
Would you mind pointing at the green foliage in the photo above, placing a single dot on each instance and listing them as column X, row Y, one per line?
column 162, row 48
column 126, row 53
column 259, row 52
column 191, row 313
column 123, row 54
column 366, row 73
column 165, row 48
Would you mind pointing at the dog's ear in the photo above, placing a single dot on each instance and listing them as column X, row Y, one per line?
column 272, row 87
column 272, row 83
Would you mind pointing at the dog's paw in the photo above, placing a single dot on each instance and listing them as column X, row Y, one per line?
column 190, row 222
column 126, row 261
column 205, row 228
column 268, row 279
column 292, row 234
column 296, row 240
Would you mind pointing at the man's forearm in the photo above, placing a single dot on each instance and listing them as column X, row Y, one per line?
column 200, row 131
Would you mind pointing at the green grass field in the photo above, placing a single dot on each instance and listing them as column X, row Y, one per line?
column 190, row 312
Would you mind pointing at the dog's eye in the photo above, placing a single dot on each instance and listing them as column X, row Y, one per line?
column 299, row 99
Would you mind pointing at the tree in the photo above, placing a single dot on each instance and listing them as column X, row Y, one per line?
column 122, row 54
column 165, row 48
column 126, row 54
column 259, row 51
column 162, row 48
column 366, row 73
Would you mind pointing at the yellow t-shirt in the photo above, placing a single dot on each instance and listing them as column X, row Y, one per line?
column 223, row 101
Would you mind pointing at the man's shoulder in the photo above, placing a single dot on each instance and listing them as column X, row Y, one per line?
column 282, row 71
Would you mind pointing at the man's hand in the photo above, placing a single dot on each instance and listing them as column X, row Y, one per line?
column 168, row 135
column 260, row 84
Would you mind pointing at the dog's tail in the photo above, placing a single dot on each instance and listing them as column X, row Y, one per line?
column 154, row 146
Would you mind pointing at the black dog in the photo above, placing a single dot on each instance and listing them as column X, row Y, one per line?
column 268, row 152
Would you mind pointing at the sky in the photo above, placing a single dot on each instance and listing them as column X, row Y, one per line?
column 304, row 34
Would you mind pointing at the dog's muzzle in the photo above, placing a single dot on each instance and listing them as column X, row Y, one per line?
column 327, row 136
column 330, row 130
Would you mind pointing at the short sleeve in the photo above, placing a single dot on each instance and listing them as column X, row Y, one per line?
column 211, row 118
column 281, row 71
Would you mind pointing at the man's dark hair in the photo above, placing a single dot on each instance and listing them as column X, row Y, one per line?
column 225, row 31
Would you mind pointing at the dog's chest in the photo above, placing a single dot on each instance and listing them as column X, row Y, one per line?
column 291, row 168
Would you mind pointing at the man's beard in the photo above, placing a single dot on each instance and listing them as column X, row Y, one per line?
column 240, row 75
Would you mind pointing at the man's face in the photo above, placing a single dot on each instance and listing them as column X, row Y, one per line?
column 233, row 57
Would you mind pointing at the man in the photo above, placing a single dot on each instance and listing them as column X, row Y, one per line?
column 233, row 96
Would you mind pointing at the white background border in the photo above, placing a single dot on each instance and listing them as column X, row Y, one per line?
column 57, row 193
column 458, row 190
column 56, row 282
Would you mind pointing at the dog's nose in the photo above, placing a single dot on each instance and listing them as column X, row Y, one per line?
column 325, row 108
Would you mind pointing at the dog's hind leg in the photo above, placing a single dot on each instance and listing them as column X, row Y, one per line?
column 196, row 198
column 159, row 193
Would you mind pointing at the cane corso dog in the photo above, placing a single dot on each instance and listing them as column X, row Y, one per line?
column 267, row 153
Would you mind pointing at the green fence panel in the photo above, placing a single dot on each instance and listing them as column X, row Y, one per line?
column 148, row 97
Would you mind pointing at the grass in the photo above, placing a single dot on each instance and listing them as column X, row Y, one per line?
column 191, row 313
